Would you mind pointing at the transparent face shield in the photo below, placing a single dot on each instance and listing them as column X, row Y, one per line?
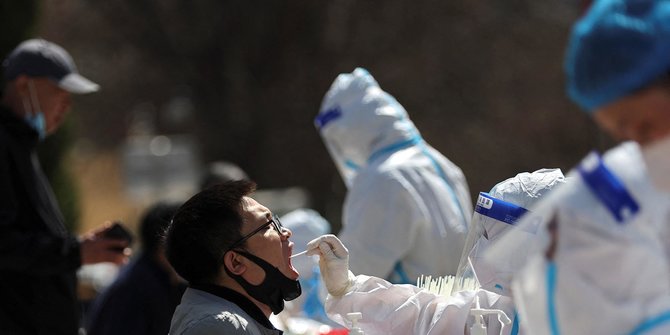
column 347, row 168
column 493, row 218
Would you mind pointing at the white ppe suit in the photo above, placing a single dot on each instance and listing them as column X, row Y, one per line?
column 397, row 309
column 407, row 207
column 400, row 309
column 602, row 266
column 406, row 309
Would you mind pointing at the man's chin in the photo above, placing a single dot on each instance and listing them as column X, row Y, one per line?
column 292, row 272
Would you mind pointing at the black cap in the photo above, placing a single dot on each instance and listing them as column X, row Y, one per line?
column 41, row 58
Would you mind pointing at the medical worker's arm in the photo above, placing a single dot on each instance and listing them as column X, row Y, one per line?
column 381, row 218
column 394, row 309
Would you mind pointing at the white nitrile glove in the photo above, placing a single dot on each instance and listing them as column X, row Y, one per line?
column 334, row 263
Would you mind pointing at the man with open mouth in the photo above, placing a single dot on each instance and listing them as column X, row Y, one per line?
column 235, row 254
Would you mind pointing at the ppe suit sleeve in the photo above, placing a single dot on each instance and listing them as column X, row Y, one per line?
column 406, row 309
column 381, row 217
column 25, row 246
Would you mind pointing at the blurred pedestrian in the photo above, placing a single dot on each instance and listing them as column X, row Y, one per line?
column 307, row 224
column 407, row 207
column 143, row 298
column 38, row 257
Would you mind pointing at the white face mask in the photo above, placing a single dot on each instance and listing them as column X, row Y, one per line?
column 657, row 158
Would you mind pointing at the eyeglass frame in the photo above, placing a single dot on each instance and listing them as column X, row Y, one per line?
column 274, row 221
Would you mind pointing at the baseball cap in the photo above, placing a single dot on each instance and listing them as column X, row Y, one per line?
column 41, row 58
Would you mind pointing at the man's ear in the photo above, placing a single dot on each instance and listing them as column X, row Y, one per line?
column 234, row 262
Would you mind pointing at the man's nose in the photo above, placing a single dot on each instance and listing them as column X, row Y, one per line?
column 286, row 232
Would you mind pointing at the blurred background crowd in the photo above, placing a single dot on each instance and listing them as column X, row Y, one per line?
column 185, row 83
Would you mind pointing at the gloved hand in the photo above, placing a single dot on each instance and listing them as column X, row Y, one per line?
column 334, row 263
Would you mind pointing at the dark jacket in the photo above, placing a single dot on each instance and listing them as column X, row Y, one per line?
column 38, row 257
column 139, row 302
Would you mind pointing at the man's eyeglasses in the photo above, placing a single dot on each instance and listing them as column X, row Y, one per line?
column 274, row 222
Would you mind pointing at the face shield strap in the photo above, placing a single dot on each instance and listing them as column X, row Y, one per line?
column 607, row 188
column 498, row 209
column 493, row 219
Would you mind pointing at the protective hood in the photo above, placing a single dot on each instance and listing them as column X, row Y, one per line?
column 526, row 188
column 358, row 121
column 495, row 216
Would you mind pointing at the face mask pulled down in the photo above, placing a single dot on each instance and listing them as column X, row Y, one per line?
column 275, row 288
column 657, row 158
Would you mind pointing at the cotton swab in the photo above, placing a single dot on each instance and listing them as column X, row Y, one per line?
column 299, row 254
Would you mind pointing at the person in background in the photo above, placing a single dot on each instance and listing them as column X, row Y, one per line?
column 144, row 296
column 407, row 207
column 235, row 256
column 306, row 225
column 407, row 309
column 38, row 256
column 604, row 267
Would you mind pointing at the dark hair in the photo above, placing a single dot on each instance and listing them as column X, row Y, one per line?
column 154, row 223
column 203, row 228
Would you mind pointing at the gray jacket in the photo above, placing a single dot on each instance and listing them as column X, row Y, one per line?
column 204, row 313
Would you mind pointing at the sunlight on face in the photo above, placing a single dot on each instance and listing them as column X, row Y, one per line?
column 272, row 246
column 643, row 117
column 54, row 102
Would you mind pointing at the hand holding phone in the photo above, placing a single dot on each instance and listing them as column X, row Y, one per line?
column 119, row 232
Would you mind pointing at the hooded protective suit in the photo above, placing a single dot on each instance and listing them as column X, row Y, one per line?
column 407, row 208
column 601, row 265
column 407, row 309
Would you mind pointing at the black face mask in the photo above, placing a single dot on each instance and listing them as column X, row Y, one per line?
column 275, row 288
